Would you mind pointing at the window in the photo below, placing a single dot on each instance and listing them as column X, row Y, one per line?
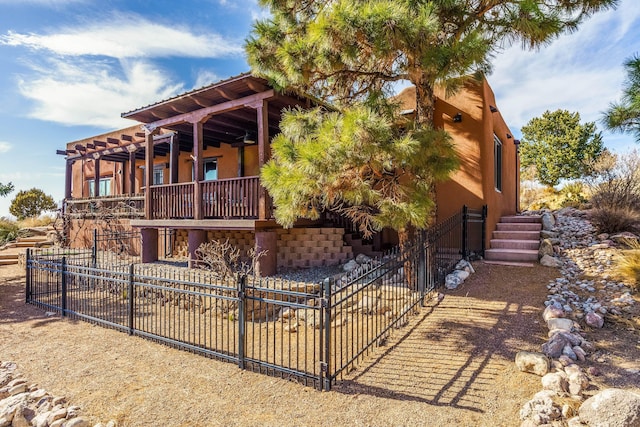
column 158, row 175
column 105, row 187
column 497, row 159
column 210, row 169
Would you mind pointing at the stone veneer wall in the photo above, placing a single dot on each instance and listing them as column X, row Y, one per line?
column 297, row 247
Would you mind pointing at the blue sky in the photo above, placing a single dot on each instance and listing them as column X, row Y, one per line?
column 70, row 67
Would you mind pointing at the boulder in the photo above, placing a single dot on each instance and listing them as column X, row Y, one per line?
column 455, row 279
column 545, row 234
column 548, row 221
column 465, row 265
column 612, row 408
column 553, row 348
column 560, row 323
column 578, row 382
column 556, row 382
column 549, row 261
column 552, row 311
column 546, row 248
column 363, row 259
column 350, row 266
column 540, row 409
column 594, row 320
column 534, row 363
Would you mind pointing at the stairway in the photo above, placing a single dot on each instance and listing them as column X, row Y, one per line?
column 516, row 240
column 10, row 253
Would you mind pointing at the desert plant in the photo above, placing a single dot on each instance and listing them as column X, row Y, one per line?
column 615, row 220
column 615, row 182
column 628, row 264
column 573, row 194
column 41, row 221
column 225, row 259
column 9, row 230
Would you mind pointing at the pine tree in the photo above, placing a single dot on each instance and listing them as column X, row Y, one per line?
column 350, row 53
column 624, row 116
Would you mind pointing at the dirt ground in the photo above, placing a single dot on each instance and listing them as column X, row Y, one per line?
column 451, row 366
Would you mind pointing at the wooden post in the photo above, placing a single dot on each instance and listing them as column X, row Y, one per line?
column 148, row 172
column 96, row 180
column 173, row 159
column 241, row 161
column 68, row 178
column 198, row 169
column 262, row 110
column 132, row 172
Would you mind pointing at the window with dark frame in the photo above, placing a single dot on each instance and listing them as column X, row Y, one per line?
column 497, row 159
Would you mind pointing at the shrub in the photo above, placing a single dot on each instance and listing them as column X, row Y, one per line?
column 615, row 220
column 573, row 195
column 628, row 265
column 615, row 182
column 225, row 259
column 9, row 230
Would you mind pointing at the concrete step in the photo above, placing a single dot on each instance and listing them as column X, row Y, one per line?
column 518, row 226
column 511, row 255
column 8, row 256
column 522, row 219
column 33, row 239
column 8, row 261
column 510, row 263
column 516, row 235
column 515, row 244
column 40, row 244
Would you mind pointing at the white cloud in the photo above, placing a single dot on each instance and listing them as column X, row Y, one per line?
column 127, row 36
column 578, row 72
column 4, row 147
column 205, row 78
column 90, row 93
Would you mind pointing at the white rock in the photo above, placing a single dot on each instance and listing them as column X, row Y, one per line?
column 549, row 261
column 561, row 324
column 556, row 382
column 535, row 363
column 612, row 408
column 350, row 266
column 552, row 312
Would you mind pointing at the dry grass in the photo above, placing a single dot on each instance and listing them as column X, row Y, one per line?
column 614, row 220
column 628, row 264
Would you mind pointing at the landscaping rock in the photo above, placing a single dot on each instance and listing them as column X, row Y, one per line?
column 561, row 324
column 553, row 311
column 556, row 382
column 534, row 363
column 553, row 348
column 350, row 266
column 594, row 320
column 546, row 248
column 548, row 221
column 541, row 409
column 612, row 408
column 549, row 261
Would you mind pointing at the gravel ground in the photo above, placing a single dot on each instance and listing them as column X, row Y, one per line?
column 452, row 365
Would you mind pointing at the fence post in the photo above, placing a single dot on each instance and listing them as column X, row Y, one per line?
column 28, row 272
column 465, row 231
column 94, row 249
column 485, row 210
column 63, row 269
column 422, row 264
column 242, row 284
column 325, row 376
column 131, row 299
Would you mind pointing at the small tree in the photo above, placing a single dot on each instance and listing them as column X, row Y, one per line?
column 559, row 146
column 31, row 203
column 624, row 116
column 5, row 189
column 356, row 163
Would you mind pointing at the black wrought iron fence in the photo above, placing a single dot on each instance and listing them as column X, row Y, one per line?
column 314, row 333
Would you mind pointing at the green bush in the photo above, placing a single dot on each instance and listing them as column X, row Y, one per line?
column 9, row 230
column 615, row 220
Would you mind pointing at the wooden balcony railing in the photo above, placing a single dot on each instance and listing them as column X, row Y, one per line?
column 234, row 198
column 122, row 205
column 172, row 201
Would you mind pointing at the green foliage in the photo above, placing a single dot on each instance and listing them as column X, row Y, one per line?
column 624, row 116
column 346, row 50
column 31, row 203
column 615, row 181
column 559, row 146
column 628, row 264
column 615, row 220
column 5, row 189
column 9, row 230
column 356, row 163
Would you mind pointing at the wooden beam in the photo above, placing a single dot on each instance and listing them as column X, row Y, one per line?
column 114, row 141
column 71, row 151
column 99, row 143
column 90, row 145
column 96, row 177
column 80, row 147
column 126, row 137
column 61, row 152
column 226, row 93
column 132, row 172
column 198, row 169
column 140, row 134
column 262, row 111
column 173, row 107
column 148, row 173
column 257, row 86
column 198, row 102
column 68, row 178
column 204, row 113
